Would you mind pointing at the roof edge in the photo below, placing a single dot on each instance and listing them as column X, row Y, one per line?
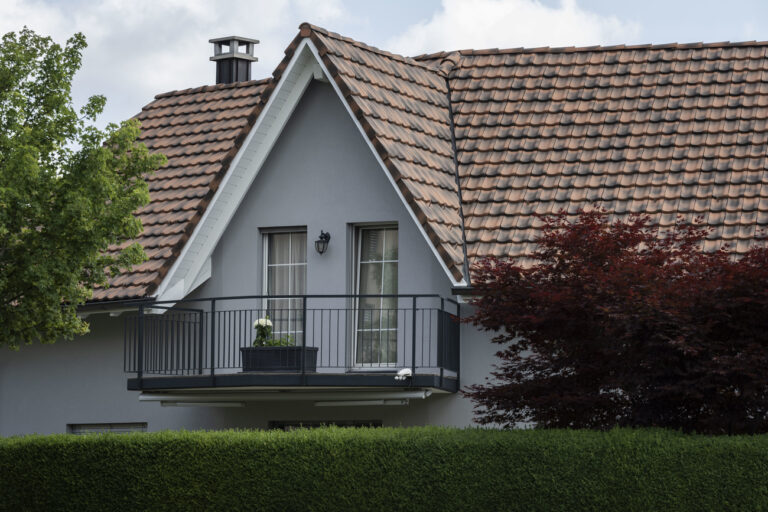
column 305, row 30
column 211, row 88
column 595, row 48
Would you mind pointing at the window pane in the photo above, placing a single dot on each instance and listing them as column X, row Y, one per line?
column 278, row 280
column 370, row 278
column 298, row 247
column 377, row 317
column 278, row 248
column 369, row 312
column 372, row 244
column 367, row 347
column 298, row 279
column 286, row 275
column 388, row 349
column 389, row 313
column 390, row 245
column 389, row 285
column 279, row 313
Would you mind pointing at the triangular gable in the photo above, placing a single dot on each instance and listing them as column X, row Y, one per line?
column 402, row 107
column 423, row 178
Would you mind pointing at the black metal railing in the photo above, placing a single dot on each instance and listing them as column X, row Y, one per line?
column 349, row 333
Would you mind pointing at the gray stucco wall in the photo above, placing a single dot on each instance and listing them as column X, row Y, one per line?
column 321, row 175
column 45, row 387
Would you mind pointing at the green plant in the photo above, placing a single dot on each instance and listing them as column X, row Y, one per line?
column 264, row 336
column 287, row 341
column 68, row 190
column 263, row 328
column 386, row 469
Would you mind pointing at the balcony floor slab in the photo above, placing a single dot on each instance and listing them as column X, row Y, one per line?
column 351, row 380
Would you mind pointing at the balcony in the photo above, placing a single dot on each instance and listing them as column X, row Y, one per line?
column 339, row 343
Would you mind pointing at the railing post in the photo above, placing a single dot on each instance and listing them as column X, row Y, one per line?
column 304, row 340
column 457, row 347
column 140, row 351
column 440, row 341
column 413, row 340
column 201, row 342
column 213, row 337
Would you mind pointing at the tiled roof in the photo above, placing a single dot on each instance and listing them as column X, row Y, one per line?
column 199, row 131
column 665, row 130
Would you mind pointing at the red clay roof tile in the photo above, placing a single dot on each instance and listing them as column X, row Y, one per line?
column 197, row 130
column 665, row 130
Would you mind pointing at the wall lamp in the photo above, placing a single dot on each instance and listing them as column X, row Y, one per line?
column 321, row 244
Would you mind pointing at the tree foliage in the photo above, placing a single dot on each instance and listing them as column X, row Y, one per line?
column 67, row 191
column 615, row 323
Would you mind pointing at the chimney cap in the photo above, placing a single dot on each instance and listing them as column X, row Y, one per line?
column 233, row 45
column 236, row 38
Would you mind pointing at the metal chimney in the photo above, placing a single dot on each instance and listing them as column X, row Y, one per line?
column 233, row 56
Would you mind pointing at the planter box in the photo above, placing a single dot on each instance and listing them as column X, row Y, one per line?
column 278, row 359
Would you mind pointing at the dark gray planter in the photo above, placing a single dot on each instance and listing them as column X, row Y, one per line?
column 278, row 359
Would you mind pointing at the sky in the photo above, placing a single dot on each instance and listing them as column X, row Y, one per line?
column 140, row 48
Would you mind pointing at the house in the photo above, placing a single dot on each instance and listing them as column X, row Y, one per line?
column 345, row 199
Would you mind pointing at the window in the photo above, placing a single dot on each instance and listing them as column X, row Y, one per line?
column 101, row 428
column 376, row 329
column 285, row 273
column 292, row 425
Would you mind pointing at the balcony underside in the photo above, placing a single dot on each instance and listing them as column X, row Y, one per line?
column 287, row 381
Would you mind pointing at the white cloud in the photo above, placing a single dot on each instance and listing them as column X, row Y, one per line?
column 752, row 30
column 461, row 24
column 320, row 11
column 140, row 48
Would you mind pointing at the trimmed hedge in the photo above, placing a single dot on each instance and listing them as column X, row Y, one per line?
column 385, row 469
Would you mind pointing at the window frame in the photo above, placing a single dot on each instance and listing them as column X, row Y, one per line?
column 358, row 233
column 265, row 240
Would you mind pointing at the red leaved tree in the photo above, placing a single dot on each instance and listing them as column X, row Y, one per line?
column 612, row 325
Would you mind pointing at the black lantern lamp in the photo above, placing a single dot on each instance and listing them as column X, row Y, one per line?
column 321, row 244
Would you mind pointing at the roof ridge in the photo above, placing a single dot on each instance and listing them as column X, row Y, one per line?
column 596, row 48
column 394, row 56
column 211, row 88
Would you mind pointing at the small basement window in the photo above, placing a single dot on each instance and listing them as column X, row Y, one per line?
column 291, row 425
column 101, row 428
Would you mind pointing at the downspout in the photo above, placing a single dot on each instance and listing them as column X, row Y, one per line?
column 447, row 65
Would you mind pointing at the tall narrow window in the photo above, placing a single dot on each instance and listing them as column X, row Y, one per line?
column 285, row 273
column 376, row 331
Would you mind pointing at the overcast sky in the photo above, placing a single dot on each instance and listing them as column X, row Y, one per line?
column 139, row 48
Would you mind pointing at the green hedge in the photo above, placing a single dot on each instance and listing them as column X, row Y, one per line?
column 385, row 469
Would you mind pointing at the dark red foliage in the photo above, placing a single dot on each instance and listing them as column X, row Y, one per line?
column 612, row 324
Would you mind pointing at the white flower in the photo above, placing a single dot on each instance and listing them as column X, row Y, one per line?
column 262, row 322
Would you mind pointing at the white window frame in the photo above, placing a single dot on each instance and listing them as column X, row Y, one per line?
column 265, row 266
column 358, row 257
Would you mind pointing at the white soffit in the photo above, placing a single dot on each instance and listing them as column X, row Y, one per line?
column 188, row 271
column 239, row 176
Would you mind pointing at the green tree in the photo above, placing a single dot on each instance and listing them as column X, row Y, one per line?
column 68, row 191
